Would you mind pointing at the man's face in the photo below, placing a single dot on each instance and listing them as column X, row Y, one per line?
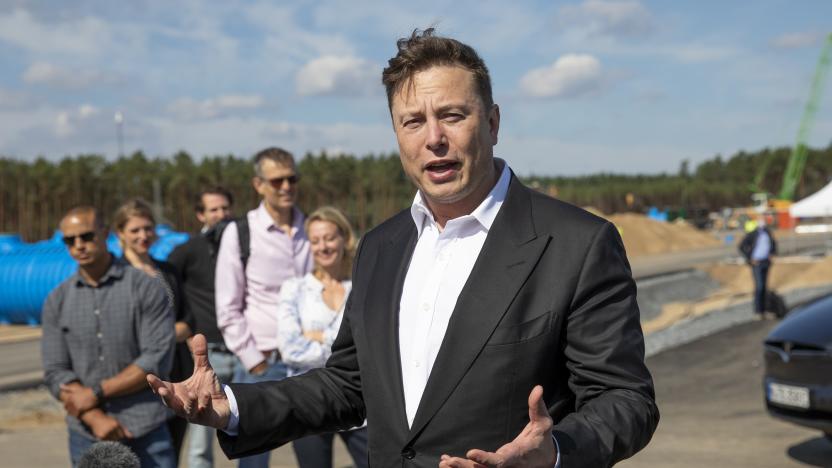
column 216, row 209
column 86, row 243
column 276, row 186
column 445, row 134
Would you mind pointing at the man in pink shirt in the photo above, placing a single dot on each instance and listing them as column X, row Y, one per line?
column 247, row 287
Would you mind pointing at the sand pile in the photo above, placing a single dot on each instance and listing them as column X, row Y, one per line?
column 645, row 236
column 738, row 285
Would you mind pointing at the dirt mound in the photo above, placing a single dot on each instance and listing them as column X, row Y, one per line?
column 737, row 285
column 645, row 236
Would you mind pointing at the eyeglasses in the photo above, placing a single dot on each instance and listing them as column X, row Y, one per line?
column 277, row 182
column 85, row 237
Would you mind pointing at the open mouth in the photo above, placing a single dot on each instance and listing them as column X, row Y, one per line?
column 440, row 170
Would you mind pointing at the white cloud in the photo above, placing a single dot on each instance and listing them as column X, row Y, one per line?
column 80, row 36
column 569, row 76
column 86, row 111
column 188, row 109
column 797, row 40
column 337, row 75
column 48, row 74
column 14, row 99
column 66, row 122
column 627, row 18
column 63, row 126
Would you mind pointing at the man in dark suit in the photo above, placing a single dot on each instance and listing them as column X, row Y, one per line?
column 758, row 246
column 487, row 325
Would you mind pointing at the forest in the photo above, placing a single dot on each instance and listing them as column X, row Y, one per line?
column 34, row 194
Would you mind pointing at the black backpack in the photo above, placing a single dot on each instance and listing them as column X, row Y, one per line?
column 775, row 303
column 214, row 236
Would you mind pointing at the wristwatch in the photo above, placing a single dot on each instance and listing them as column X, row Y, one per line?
column 99, row 392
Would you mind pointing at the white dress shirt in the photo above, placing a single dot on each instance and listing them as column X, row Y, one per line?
column 441, row 264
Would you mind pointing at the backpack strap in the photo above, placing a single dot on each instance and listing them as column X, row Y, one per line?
column 244, row 237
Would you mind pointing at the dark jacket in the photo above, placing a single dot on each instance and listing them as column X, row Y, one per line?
column 196, row 262
column 550, row 301
column 746, row 247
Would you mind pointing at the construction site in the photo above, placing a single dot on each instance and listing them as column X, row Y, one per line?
column 715, row 302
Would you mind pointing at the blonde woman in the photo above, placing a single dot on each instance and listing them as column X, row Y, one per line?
column 309, row 313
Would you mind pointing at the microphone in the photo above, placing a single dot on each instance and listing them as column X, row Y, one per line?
column 108, row 454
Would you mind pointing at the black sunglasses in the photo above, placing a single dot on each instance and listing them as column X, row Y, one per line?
column 277, row 182
column 85, row 237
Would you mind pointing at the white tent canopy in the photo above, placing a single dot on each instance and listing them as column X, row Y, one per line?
column 816, row 205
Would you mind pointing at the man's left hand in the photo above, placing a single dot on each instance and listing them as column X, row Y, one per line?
column 78, row 399
column 533, row 448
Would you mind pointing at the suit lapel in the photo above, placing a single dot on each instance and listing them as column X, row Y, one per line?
column 508, row 256
column 381, row 316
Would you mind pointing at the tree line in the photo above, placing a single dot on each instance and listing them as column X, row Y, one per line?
column 34, row 195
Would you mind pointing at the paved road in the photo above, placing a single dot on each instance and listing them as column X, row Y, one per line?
column 788, row 244
column 712, row 408
column 20, row 364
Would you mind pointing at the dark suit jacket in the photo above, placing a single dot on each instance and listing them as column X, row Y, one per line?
column 746, row 247
column 549, row 301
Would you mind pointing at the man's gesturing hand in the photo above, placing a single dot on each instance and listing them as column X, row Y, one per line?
column 533, row 448
column 199, row 399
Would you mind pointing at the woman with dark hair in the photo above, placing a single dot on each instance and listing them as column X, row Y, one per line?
column 135, row 227
column 310, row 310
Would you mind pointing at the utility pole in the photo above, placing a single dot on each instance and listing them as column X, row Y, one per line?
column 119, row 119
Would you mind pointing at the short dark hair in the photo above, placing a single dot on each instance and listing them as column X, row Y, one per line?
column 423, row 50
column 82, row 210
column 199, row 206
column 276, row 155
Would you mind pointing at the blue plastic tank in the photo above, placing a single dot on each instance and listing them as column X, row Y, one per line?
column 29, row 272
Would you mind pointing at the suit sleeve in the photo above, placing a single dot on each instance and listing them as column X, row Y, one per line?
column 321, row 400
column 616, row 413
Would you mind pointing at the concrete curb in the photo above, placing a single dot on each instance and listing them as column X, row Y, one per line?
column 22, row 381
column 691, row 329
column 31, row 333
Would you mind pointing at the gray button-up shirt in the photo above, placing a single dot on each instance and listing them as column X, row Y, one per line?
column 93, row 333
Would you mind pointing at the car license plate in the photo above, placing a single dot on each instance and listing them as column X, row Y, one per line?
column 788, row 395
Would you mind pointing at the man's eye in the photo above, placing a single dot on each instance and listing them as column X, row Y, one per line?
column 412, row 123
column 452, row 117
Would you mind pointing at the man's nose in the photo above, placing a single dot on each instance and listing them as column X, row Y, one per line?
column 436, row 135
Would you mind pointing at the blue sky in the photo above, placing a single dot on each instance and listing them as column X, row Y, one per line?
column 584, row 86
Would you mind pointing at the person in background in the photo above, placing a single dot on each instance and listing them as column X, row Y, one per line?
column 247, row 285
column 309, row 313
column 135, row 227
column 196, row 261
column 758, row 246
column 104, row 329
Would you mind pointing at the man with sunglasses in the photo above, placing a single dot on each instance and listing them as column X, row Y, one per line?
column 247, row 285
column 104, row 329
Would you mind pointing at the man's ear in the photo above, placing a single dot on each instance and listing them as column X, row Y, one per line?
column 494, row 123
column 257, row 183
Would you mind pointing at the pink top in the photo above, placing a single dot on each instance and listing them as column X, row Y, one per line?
column 247, row 304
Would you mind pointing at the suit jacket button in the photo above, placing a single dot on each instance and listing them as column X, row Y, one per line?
column 409, row 453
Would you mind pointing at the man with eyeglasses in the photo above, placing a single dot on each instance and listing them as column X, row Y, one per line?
column 104, row 329
column 247, row 285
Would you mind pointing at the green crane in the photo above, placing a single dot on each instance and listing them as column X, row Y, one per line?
column 797, row 161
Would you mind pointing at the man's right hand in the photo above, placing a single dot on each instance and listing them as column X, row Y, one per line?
column 199, row 399
column 105, row 427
